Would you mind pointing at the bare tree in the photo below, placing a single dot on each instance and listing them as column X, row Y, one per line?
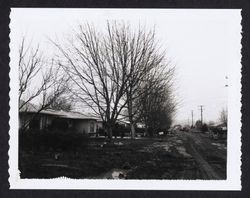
column 223, row 116
column 62, row 103
column 157, row 103
column 94, row 63
column 108, row 68
column 37, row 81
column 143, row 58
column 149, row 81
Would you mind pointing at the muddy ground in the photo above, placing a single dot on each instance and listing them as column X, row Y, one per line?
column 183, row 155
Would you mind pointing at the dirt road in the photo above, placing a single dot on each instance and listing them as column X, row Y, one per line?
column 191, row 156
column 210, row 155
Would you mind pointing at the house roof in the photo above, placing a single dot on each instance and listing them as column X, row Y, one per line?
column 221, row 125
column 69, row 115
column 30, row 108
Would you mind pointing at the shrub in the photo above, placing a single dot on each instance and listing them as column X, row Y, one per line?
column 204, row 128
column 55, row 140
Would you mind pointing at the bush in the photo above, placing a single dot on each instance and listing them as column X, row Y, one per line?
column 204, row 128
column 55, row 140
column 120, row 130
column 139, row 131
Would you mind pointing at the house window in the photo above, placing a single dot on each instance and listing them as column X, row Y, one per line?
column 92, row 127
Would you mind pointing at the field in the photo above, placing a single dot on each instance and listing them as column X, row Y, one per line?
column 181, row 155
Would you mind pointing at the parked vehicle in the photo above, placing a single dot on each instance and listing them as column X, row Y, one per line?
column 218, row 132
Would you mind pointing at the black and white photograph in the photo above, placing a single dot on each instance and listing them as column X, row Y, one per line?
column 125, row 99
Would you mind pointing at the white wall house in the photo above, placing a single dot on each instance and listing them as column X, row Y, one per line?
column 48, row 119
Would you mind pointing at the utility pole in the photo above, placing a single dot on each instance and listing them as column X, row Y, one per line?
column 192, row 112
column 201, row 109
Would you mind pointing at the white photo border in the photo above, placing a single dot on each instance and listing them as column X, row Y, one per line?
column 233, row 181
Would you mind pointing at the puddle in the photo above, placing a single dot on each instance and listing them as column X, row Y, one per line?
column 183, row 152
column 118, row 174
column 220, row 146
column 167, row 147
column 179, row 141
column 118, row 143
column 114, row 174
column 60, row 166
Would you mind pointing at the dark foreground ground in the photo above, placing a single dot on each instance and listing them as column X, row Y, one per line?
column 180, row 156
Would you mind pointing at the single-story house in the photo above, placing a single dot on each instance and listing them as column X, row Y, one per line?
column 61, row 120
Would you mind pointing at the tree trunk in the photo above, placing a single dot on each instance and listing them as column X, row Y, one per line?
column 146, row 131
column 132, row 130
column 109, row 132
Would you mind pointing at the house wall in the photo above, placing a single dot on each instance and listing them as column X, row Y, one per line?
column 46, row 120
column 23, row 118
column 84, row 126
column 43, row 121
column 92, row 126
column 99, row 125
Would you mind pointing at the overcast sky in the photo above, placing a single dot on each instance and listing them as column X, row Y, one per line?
column 201, row 43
